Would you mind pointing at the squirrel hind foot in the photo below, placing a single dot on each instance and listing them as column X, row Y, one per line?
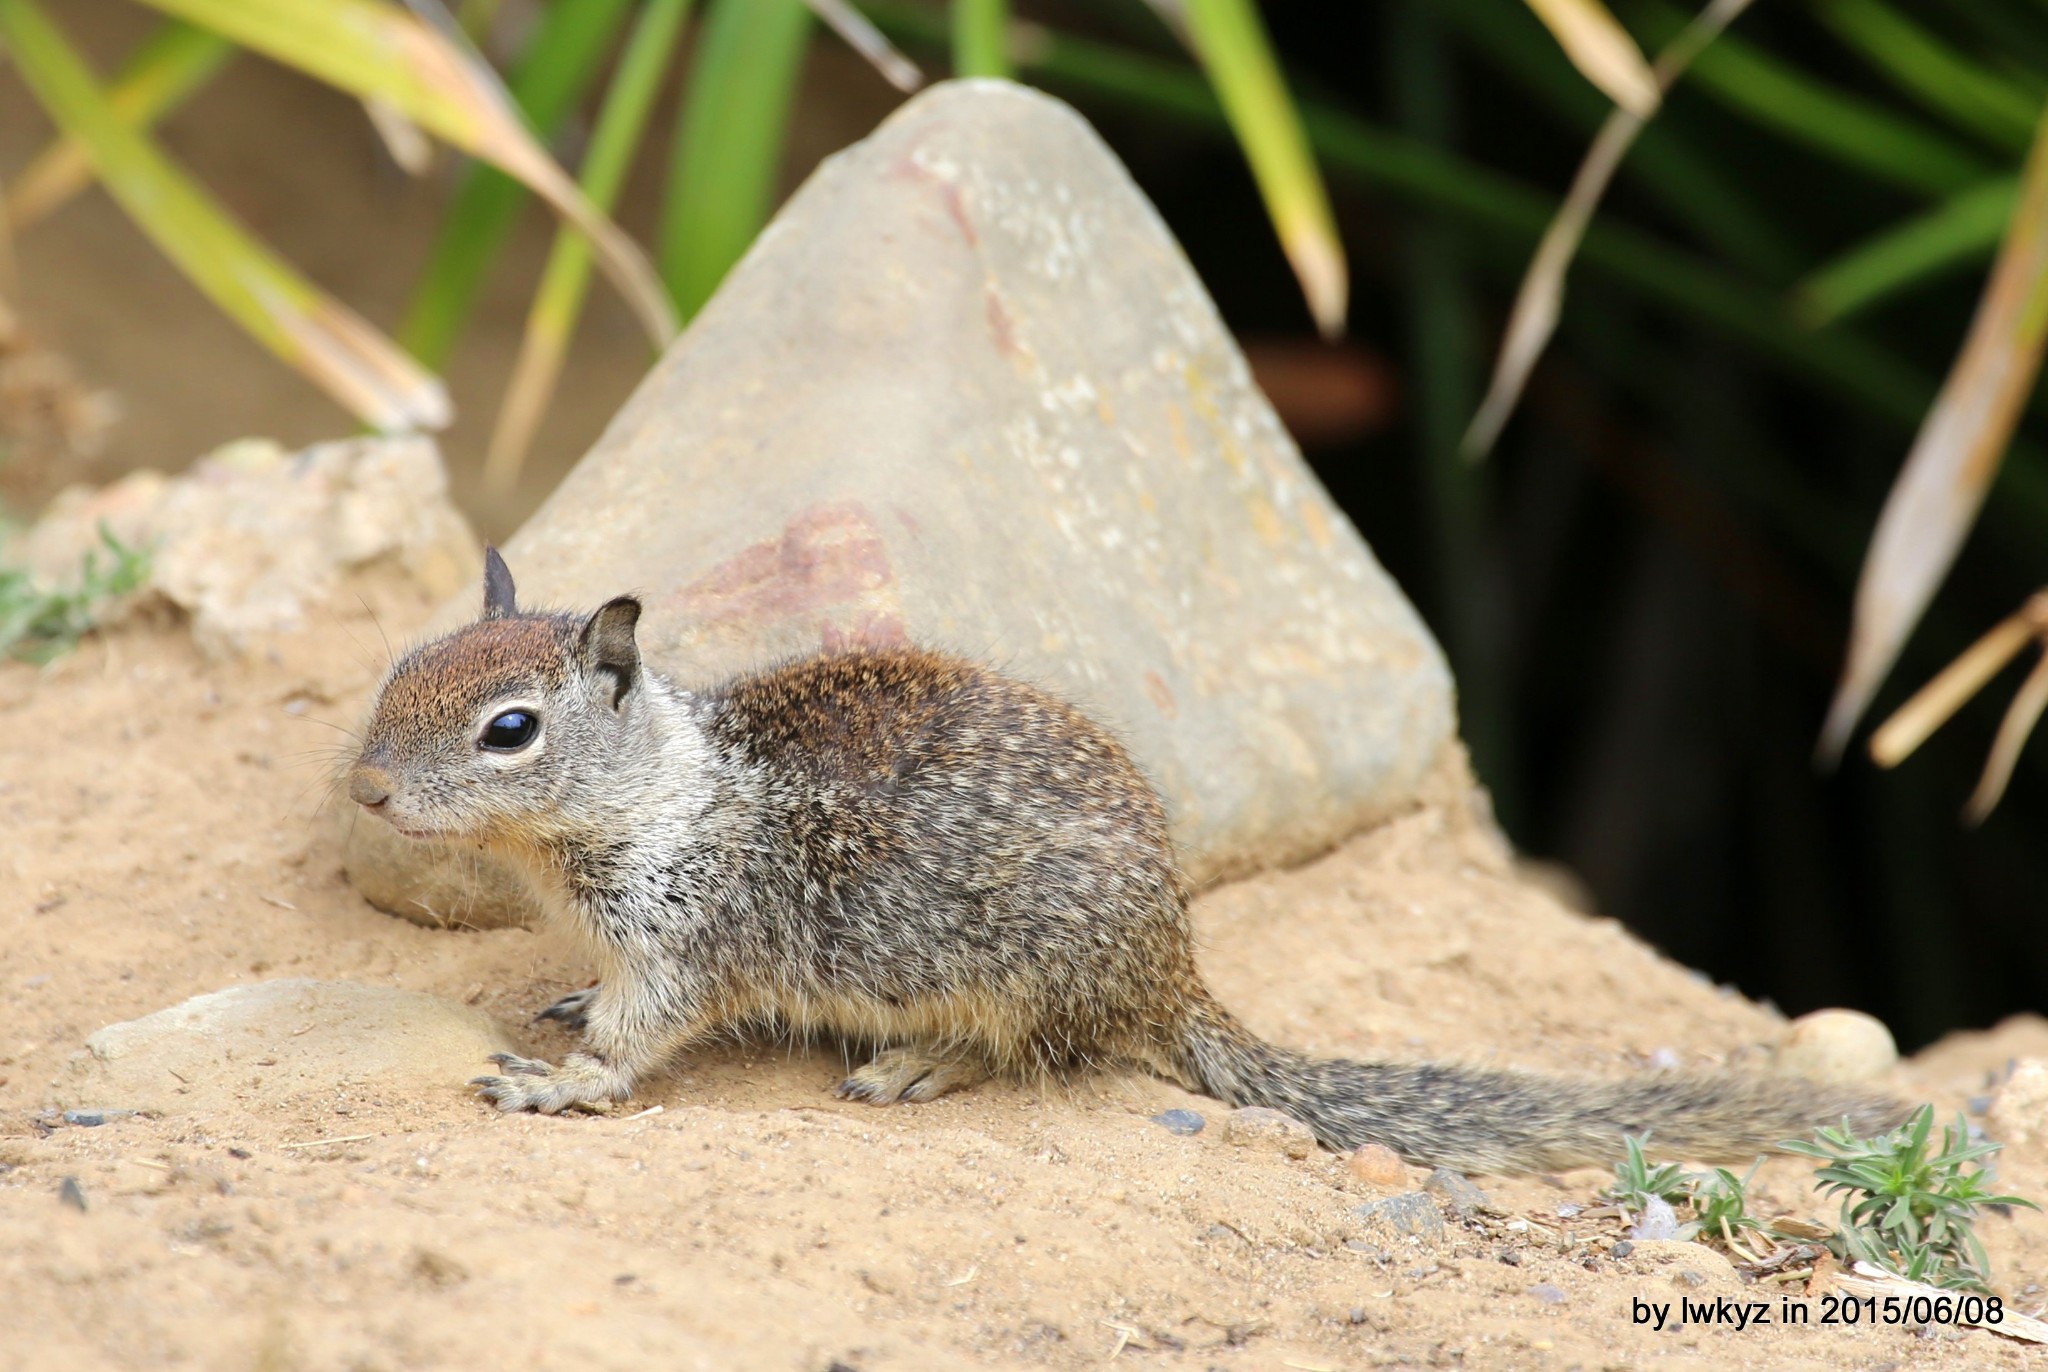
column 895, row 1075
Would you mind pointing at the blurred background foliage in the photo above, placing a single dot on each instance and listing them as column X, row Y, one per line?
column 1645, row 590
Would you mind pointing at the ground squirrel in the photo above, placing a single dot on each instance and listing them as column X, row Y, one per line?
column 911, row 851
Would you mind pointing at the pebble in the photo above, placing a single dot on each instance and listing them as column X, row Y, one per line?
column 1659, row 1221
column 93, row 1119
column 1840, row 1047
column 1410, row 1214
column 1548, row 1294
column 70, row 1193
column 1180, row 1121
column 1454, row 1190
column 1269, row 1131
column 1623, row 1248
column 1378, row 1165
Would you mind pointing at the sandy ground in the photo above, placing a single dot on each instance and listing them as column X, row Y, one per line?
column 159, row 837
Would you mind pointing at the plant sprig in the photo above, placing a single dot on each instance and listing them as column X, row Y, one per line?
column 1907, row 1208
column 39, row 623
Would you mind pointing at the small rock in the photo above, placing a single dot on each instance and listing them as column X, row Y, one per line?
column 319, row 1035
column 253, row 538
column 1659, row 1221
column 1180, row 1121
column 1408, row 1215
column 1454, row 1190
column 1509, row 1257
column 1840, row 1047
column 1257, row 1127
column 93, row 1119
column 70, row 1193
column 436, row 1268
column 1378, row 1165
column 1623, row 1248
column 1691, row 1265
column 2019, row 1111
column 1548, row 1294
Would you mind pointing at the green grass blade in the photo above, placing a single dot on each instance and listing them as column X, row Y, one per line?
column 375, row 50
column 1960, row 231
column 559, row 302
column 1231, row 42
column 163, row 72
column 1968, row 94
column 981, row 30
column 729, row 140
column 341, row 353
column 560, row 63
column 1845, row 127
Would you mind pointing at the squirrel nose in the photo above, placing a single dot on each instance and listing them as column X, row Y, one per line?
column 369, row 787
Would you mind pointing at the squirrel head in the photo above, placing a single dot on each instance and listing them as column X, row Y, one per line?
column 493, row 731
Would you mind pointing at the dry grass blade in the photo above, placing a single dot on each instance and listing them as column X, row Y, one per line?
column 1541, row 297
column 864, row 38
column 1866, row 1280
column 371, row 48
column 332, row 345
column 1602, row 51
column 1933, row 705
column 402, row 138
column 2013, row 731
column 1941, row 487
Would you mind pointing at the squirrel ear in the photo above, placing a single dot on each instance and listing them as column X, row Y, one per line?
column 607, row 644
column 499, row 595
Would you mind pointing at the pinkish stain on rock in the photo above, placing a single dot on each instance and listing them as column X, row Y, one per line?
column 872, row 629
column 829, row 570
column 999, row 322
column 1161, row 695
column 949, row 192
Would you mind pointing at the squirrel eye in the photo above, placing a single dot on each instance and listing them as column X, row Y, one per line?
column 510, row 731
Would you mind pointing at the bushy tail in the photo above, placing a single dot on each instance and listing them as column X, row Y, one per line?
column 1476, row 1120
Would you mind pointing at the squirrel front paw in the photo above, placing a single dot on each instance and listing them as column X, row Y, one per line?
column 529, row 1084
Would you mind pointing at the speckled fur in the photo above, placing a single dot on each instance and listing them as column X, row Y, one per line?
column 908, row 850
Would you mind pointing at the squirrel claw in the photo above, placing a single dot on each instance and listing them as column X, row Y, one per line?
column 521, row 1067
column 571, row 1011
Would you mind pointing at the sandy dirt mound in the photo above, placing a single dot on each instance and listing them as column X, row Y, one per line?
column 161, row 841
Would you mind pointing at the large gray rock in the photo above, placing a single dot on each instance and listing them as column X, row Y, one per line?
column 274, row 1041
column 966, row 391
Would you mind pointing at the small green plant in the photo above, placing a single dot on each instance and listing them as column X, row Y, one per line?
column 1636, row 1183
column 1906, row 1208
column 1720, row 1205
column 1719, row 1200
column 38, row 623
